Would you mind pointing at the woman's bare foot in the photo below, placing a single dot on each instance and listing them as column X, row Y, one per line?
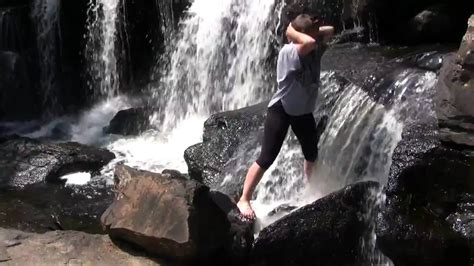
column 246, row 209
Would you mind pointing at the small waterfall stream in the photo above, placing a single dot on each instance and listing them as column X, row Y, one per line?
column 101, row 48
column 46, row 16
column 219, row 60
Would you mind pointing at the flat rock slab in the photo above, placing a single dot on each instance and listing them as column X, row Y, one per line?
column 25, row 161
column 64, row 248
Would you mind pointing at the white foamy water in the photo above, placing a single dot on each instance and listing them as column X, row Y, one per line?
column 156, row 151
column 80, row 178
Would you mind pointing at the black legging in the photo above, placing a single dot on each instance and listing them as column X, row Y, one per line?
column 275, row 130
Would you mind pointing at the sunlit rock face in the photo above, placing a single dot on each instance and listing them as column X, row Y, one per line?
column 174, row 218
column 65, row 247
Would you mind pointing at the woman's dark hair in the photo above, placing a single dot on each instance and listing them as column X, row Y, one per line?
column 305, row 23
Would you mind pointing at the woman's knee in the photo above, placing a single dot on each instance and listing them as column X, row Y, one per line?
column 265, row 161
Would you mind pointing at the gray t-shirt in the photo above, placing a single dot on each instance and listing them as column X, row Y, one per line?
column 298, row 80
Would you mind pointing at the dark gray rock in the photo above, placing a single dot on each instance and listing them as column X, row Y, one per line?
column 421, row 21
column 224, row 134
column 130, row 122
column 187, row 223
column 326, row 232
column 26, row 161
column 430, row 185
column 44, row 207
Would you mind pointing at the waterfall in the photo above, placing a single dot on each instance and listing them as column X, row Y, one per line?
column 357, row 145
column 46, row 17
column 12, row 36
column 219, row 60
column 101, row 48
column 167, row 17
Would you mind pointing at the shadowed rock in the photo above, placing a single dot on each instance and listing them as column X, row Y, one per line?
column 130, row 122
column 26, row 161
column 44, row 207
column 427, row 219
column 326, row 232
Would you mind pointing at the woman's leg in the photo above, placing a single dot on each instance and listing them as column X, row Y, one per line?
column 305, row 130
column 275, row 130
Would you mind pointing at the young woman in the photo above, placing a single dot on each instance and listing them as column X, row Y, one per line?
column 298, row 76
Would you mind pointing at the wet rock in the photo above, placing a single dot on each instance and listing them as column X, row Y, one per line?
column 431, row 24
column 172, row 217
column 66, row 248
column 26, row 161
column 373, row 20
column 430, row 185
column 282, row 209
column 224, row 134
column 429, row 61
column 327, row 232
column 44, row 207
column 421, row 21
column 132, row 121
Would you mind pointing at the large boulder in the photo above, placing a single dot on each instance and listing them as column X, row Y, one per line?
column 66, row 248
column 327, row 232
column 132, row 121
column 428, row 216
column 25, row 161
column 455, row 92
column 224, row 134
column 172, row 217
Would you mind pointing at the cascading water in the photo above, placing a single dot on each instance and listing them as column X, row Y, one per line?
column 46, row 16
column 219, row 60
column 357, row 144
column 101, row 48
column 12, row 38
column 217, row 63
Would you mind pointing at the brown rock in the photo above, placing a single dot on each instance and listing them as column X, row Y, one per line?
column 168, row 216
column 63, row 248
column 455, row 93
